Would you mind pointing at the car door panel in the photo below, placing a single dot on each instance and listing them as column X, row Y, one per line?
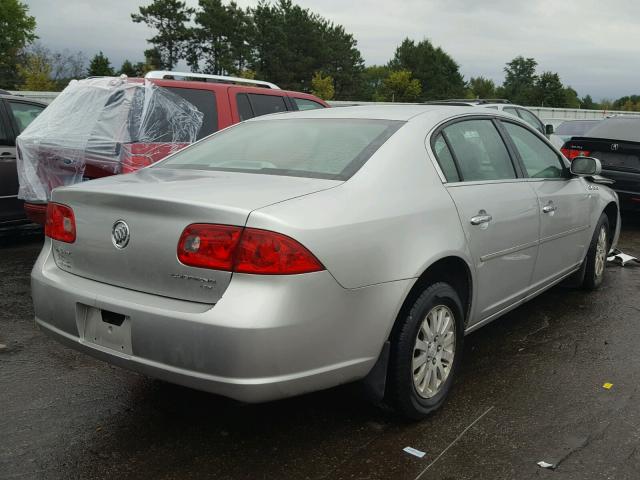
column 504, row 249
column 564, row 227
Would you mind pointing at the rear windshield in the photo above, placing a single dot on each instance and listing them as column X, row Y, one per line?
column 316, row 148
column 617, row 128
column 575, row 127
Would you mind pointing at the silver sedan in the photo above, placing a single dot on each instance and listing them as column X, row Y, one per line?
column 296, row 252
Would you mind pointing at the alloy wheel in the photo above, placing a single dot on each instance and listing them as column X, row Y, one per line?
column 601, row 252
column 434, row 351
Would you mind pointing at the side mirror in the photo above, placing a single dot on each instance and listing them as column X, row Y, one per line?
column 548, row 129
column 585, row 166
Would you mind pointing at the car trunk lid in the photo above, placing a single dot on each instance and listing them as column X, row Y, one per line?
column 157, row 204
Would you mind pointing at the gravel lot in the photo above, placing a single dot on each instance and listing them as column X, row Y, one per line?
column 530, row 389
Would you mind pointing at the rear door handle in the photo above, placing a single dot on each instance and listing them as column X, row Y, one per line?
column 482, row 217
column 549, row 208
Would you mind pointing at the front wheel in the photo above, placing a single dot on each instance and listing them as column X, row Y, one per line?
column 596, row 259
column 425, row 352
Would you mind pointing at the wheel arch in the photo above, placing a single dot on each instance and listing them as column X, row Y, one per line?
column 451, row 269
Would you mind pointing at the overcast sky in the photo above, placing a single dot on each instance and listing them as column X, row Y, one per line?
column 593, row 45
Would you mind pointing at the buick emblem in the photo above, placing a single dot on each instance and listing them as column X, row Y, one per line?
column 120, row 234
column 614, row 147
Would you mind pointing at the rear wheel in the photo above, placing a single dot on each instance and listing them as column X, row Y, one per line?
column 425, row 352
column 596, row 259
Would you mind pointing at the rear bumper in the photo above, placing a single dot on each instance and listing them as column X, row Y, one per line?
column 267, row 338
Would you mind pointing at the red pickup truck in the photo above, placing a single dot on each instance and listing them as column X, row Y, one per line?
column 222, row 100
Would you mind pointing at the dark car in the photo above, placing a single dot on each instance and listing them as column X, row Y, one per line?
column 15, row 114
column 615, row 142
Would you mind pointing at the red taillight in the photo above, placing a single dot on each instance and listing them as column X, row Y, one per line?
column 572, row 152
column 248, row 250
column 271, row 253
column 61, row 223
column 135, row 156
column 209, row 246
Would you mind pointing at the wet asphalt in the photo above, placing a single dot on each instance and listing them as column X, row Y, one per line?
column 530, row 389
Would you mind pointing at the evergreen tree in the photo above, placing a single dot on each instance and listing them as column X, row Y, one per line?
column 169, row 18
column 520, row 80
column 129, row 69
column 437, row 72
column 100, row 66
column 291, row 44
column 548, row 91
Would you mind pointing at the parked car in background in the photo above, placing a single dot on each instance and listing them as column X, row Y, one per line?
column 268, row 261
column 615, row 141
column 507, row 107
column 15, row 114
column 222, row 100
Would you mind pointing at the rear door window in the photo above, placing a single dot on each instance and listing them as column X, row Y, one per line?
column 540, row 161
column 479, row 151
column 306, row 104
column 205, row 101
column 266, row 104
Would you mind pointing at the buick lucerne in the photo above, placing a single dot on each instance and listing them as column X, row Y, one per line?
column 292, row 253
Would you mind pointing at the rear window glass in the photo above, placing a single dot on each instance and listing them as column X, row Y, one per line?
column 575, row 127
column 305, row 104
column 316, row 148
column 205, row 101
column 617, row 128
column 265, row 104
column 244, row 107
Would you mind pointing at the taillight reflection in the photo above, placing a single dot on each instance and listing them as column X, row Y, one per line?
column 571, row 152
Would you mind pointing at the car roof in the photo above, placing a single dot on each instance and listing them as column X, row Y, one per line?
column 401, row 112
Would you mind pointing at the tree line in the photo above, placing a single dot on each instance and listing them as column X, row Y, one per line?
column 285, row 44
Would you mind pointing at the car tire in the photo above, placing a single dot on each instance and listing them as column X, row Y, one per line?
column 595, row 261
column 431, row 332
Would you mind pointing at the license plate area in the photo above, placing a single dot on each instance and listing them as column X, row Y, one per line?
column 105, row 328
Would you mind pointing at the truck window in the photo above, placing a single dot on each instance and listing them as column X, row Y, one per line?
column 205, row 101
column 244, row 107
column 265, row 104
